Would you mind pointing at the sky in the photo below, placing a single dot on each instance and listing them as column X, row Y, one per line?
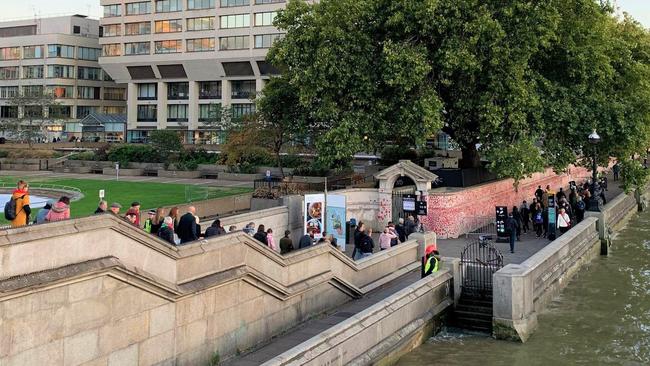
column 640, row 9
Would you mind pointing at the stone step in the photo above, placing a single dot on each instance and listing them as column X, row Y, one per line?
column 462, row 314
column 470, row 322
column 475, row 302
column 474, row 309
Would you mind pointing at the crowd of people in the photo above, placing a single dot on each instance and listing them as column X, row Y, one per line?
column 534, row 217
column 390, row 236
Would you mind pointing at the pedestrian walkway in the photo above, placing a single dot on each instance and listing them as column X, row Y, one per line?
column 309, row 329
column 139, row 179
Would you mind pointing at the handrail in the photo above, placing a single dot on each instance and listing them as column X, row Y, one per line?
column 55, row 187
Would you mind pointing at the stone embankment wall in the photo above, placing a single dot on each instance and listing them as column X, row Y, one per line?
column 385, row 331
column 522, row 291
column 96, row 290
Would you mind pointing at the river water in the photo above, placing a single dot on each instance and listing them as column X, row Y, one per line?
column 601, row 318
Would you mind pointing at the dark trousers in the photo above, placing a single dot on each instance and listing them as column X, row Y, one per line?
column 512, row 242
column 538, row 229
column 526, row 227
column 564, row 229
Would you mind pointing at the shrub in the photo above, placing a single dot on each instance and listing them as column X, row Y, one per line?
column 4, row 153
column 88, row 155
column 315, row 169
column 292, row 161
column 125, row 154
column 391, row 155
column 190, row 159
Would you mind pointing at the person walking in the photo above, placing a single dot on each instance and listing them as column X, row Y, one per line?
column 40, row 217
column 401, row 231
column 115, row 208
column 215, row 229
column 367, row 245
column 260, row 235
column 102, row 207
column 511, row 226
column 538, row 219
column 358, row 235
column 187, row 226
column 166, row 231
column 563, row 221
column 538, row 193
column 307, row 240
column 616, row 169
column 60, row 211
column 580, row 208
column 19, row 206
column 135, row 206
column 286, row 245
column 250, row 228
column 270, row 241
column 158, row 220
column 410, row 226
column 524, row 211
column 517, row 216
column 131, row 216
column 149, row 222
column 174, row 213
column 385, row 239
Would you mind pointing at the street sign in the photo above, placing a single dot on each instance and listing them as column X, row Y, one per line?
column 408, row 203
column 551, row 217
column 421, row 208
column 101, row 194
column 501, row 217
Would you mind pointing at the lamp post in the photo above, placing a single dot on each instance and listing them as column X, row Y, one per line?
column 594, row 202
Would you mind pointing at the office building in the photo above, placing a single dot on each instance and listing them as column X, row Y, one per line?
column 185, row 59
column 57, row 55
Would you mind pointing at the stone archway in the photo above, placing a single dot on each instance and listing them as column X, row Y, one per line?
column 405, row 170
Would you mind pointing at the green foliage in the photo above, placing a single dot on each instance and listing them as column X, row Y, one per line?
column 292, row 161
column 86, row 155
column 215, row 359
column 633, row 174
column 316, row 169
column 125, row 154
column 4, row 153
column 392, row 154
column 525, row 80
column 190, row 159
column 165, row 142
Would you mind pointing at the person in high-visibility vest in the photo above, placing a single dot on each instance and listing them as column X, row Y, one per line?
column 431, row 261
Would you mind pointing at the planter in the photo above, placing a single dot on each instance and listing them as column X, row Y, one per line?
column 74, row 169
column 240, row 177
column 124, row 172
column 147, row 166
column 183, row 174
column 212, row 168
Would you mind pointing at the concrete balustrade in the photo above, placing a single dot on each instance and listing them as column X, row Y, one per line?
column 99, row 290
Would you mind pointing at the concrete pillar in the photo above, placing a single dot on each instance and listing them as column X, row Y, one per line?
column 193, row 107
column 603, row 231
column 226, row 93
column 132, row 107
column 514, row 316
column 162, row 105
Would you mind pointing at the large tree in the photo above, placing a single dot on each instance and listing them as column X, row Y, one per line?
column 33, row 113
column 524, row 80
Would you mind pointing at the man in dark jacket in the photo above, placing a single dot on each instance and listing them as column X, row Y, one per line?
column 187, row 226
column 215, row 229
column 307, row 240
column 401, row 231
column 286, row 245
column 260, row 235
column 511, row 226
column 410, row 226
column 101, row 208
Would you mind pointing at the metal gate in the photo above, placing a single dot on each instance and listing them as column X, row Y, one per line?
column 398, row 202
column 478, row 262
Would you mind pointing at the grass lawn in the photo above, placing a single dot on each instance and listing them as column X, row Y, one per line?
column 150, row 195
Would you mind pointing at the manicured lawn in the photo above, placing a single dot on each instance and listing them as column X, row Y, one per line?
column 150, row 195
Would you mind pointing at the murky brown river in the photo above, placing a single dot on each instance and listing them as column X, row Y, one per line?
column 602, row 318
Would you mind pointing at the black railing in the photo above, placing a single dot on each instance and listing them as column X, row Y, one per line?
column 479, row 261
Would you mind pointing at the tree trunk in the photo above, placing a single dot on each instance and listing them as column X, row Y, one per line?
column 471, row 157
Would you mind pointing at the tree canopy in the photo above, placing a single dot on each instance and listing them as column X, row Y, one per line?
column 524, row 80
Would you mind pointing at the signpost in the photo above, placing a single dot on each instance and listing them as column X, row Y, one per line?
column 501, row 219
column 101, row 194
column 421, row 208
column 117, row 171
column 551, row 217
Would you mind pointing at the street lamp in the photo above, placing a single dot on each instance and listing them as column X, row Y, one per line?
column 594, row 202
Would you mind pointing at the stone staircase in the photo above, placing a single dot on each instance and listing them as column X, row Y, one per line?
column 474, row 313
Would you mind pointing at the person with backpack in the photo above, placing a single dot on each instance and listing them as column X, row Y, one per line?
column 60, row 211
column 538, row 219
column 367, row 245
column 17, row 209
column 580, row 208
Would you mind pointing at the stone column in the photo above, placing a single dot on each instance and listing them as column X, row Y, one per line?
column 162, row 105
column 132, row 107
column 193, row 108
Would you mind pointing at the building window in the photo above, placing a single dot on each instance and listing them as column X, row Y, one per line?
column 112, row 30
column 10, row 53
column 7, row 111
column 265, row 19
column 243, row 89
column 177, row 113
column 239, row 111
column 59, row 50
column 60, row 111
column 33, row 111
column 147, row 113
column 113, row 49
column 166, row 6
column 25, row 30
column 9, row 73
column 235, row 21
column 233, row 43
column 137, row 48
column 143, row 7
column 260, row 2
column 134, row 29
column 266, row 40
column 176, row 91
column 89, row 73
column 60, row 71
column 171, row 46
column 209, row 90
column 209, row 112
column 83, row 111
column 114, row 94
column 88, row 92
column 169, row 26
column 89, row 54
column 228, row 3
column 114, row 110
column 61, row 91
column 112, row 10
column 200, row 45
column 32, row 52
column 199, row 24
column 147, row 91
column 200, row 4
column 33, row 72
column 33, row 90
column 7, row 92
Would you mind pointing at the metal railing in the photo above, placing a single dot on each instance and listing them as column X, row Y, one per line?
column 473, row 225
column 45, row 186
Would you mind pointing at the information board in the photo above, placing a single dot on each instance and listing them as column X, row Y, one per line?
column 501, row 219
column 551, row 217
column 408, row 203
column 421, row 208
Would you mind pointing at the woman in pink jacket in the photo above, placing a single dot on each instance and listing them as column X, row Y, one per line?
column 385, row 238
column 60, row 211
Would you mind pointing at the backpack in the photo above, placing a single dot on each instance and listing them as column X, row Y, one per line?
column 10, row 209
column 581, row 205
column 538, row 218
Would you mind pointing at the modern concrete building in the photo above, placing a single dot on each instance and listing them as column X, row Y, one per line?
column 184, row 60
column 58, row 55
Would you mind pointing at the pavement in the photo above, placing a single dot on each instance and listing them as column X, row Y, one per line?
column 143, row 179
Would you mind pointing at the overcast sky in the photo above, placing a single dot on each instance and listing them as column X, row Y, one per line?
column 640, row 9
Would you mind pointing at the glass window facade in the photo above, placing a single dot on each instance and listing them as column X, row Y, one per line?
column 60, row 71
column 114, row 93
column 7, row 92
column 137, row 48
column 200, row 45
column 33, row 52
column 59, row 50
column 170, row 46
column 147, row 113
column 60, row 111
column 139, row 28
column 33, row 72
column 138, row 8
column 234, row 43
column 209, row 112
column 10, row 53
column 235, row 21
column 240, row 111
column 243, row 89
column 199, row 24
column 33, row 90
column 61, row 91
column 169, row 26
column 209, row 90
column 200, row 4
column 113, row 49
column 9, row 73
column 112, row 30
column 147, row 91
column 7, row 111
column 265, row 19
column 166, row 6
column 266, row 40
column 88, row 92
column 33, row 111
column 89, row 73
column 177, row 91
column 112, row 10
column 177, row 113
column 83, row 111
column 228, row 3
column 89, row 54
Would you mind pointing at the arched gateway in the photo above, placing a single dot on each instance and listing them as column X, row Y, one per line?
column 397, row 181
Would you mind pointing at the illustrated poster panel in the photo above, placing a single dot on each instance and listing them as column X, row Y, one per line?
column 314, row 212
column 336, row 219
